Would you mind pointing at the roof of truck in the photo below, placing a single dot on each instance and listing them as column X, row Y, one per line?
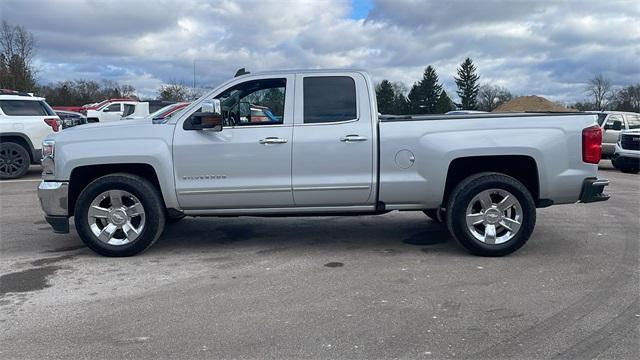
column 303, row 71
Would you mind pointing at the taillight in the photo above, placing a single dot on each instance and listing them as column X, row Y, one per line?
column 55, row 125
column 592, row 144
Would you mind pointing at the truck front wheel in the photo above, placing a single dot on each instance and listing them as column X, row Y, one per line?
column 491, row 214
column 119, row 215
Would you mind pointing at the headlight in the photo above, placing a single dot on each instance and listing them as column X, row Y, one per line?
column 48, row 148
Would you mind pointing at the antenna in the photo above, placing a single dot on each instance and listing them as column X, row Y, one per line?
column 241, row 72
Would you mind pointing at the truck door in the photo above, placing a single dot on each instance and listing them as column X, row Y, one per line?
column 112, row 112
column 333, row 147
column 248, row 163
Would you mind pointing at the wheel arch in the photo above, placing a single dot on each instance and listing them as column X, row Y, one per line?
column 83, row 175
column 521, row 167
column 24, row 141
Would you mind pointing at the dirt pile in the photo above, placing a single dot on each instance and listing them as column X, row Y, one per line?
column 531, row 103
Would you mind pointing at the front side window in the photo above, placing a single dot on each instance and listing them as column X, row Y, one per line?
column 329, row 99
column 25, row 108
column 112, row 108
column 255, row 102
column 611, row 120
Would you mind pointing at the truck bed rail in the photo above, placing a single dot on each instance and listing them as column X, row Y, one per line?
column 394, row 118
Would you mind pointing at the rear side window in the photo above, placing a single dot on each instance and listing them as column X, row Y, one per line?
column 329, row 99
column 128, row 109
column 25, row 108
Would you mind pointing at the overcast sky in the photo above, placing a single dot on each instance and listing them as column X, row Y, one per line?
column 547, row 48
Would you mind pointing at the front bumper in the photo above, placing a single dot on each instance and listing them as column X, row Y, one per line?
column 54, row 200
column 592, row 190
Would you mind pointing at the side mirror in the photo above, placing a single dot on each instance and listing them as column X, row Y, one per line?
column 615, row 125
column 209, row 118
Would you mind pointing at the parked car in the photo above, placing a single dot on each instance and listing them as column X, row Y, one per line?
column 76, row 109
column 167, row 112
column 613, row 123
column 330, row 153
column 70, row 118
column 627, row 154
column 25, row 121
column 109, row 110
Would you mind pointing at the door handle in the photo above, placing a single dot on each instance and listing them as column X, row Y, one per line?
column 272, row 140
column 353, row 138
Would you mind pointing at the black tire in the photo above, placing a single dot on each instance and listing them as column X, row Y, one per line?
column 14, row 160
column 630, row 170
column 462, row 196
column 437, row 215
column 149, row 198
column 174, row 219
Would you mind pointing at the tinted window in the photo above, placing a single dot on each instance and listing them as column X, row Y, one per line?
column 113, row 107
column 255, row 102
column 153, row 107
column 633, row 121
column 601, row 118
column 25, row 108
column 128, row 110
column 329, row 99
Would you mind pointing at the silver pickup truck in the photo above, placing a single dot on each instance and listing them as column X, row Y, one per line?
column 312, row 143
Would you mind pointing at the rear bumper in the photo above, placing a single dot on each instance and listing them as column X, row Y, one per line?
column 592, row 190
column 54, row 200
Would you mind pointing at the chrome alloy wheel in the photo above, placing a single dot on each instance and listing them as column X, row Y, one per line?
column 494, row 216
column 116, row 217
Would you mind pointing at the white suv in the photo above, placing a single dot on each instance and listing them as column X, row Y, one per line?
column 25, row 121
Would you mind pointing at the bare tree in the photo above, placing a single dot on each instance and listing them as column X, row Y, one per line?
column 16, row 68
column 174, row 91
column 492, row 96
column 599, row 90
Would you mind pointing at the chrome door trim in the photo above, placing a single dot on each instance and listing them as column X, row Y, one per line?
column 328, row 123
column 285, row 210
column 232, row 191
column 331, row 188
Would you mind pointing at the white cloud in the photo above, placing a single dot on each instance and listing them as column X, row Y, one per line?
column 539, row 47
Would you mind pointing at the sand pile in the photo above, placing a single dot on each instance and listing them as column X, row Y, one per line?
column 531, row 103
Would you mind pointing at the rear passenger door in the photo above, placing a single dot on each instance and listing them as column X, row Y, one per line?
column 334, row 141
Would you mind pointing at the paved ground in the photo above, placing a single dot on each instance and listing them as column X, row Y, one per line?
column 392, row 286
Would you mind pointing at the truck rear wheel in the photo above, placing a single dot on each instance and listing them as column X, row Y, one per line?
column 14, row 160
column 491, row 214
column 119, row 215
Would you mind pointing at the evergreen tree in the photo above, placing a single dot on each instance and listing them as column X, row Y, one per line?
column 414, row 100
column 400, row 104
column 386, row 96
column 425, row 93
column 430, row 89
column 467, row 82
column 444, row 103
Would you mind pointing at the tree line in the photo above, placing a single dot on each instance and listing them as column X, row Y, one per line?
column 426, row 96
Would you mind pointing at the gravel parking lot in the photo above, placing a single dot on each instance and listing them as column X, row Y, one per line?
column 392, row 286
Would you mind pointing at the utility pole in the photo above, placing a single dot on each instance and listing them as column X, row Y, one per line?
column 194, row 74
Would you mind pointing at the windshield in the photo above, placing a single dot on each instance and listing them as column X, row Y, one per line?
column 162, row 110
